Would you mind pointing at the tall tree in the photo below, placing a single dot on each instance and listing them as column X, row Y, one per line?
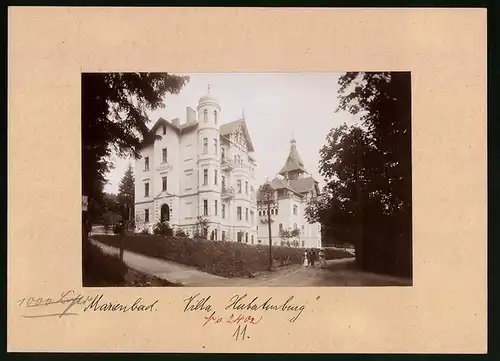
column 126, row 190
column 368, row 172
column 114, row 119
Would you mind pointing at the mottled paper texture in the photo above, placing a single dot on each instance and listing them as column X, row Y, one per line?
column 445, row 49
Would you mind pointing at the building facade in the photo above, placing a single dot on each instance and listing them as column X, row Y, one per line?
column 198, row 168
column 284, row 201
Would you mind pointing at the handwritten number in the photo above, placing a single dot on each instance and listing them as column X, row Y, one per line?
column 240, row 333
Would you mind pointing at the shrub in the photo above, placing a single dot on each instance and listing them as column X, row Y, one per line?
column 145, row 232
column 117, row 228
column 162, row 228
column 180, row 233
column 227, row 259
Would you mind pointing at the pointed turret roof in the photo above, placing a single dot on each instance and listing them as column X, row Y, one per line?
column 293, row 162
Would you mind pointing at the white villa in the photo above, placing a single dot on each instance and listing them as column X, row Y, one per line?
column 290, row 192
column 199, row 167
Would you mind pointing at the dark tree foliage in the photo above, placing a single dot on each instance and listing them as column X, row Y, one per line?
column 126, row 190
column 367, row 199
column 114, row 118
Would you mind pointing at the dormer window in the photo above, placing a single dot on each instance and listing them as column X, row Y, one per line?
column 205, row 115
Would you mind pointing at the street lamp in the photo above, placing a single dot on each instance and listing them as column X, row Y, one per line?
column 268, row 193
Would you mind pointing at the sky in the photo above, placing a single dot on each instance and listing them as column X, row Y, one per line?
column 277, row 106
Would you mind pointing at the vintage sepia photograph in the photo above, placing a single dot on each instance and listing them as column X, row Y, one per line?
column 246, row 179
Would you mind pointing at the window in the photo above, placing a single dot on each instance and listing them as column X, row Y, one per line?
column 205, row 115
column 223, row 211
column 164, row 184
column 246, row 214
column 215, row 208
column 252, row 239
column 205, row 177
column 215, row 146
column 260, row 213
column 276, row 211
column 205, row 207
column 146, row 163
column 246, row 187
column 246, row 237
column 223, row 182
column 238, row 213
column 281, row 227
column 146, row 189
column 164, row 129
column 240, row 236
column 295, row 226
column 294, row 210
column 223, row 235
column 272, row 212
column 164, row 155
column 215, row 116
column 215, row 177
column 239, row 186
column 146, row 215
column 205, row 145
column 222, row 152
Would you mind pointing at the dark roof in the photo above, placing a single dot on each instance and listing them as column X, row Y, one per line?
column 151, row 136
column 300, row 186
column 228, row 128
column 293, row 162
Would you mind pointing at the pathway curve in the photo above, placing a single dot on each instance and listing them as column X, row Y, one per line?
column 170, row 271
column 340, row 272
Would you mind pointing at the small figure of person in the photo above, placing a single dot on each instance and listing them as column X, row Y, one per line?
column 313, row 257
column 322, row 259
column 306, row 258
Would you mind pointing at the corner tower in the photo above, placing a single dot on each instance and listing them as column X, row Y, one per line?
column 294, row 167
column 208, row 164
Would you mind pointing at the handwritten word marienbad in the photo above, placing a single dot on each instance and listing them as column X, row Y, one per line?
column 70, row 301
column 244, row 305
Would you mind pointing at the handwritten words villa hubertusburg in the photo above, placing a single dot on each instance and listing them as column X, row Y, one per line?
column 71, row 303
column 242, row 311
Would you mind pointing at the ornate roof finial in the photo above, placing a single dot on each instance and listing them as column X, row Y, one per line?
column 292, row 141
column 243, row 113
column 208, row 88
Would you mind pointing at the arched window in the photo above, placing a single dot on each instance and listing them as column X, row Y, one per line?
column 165, row 213
column 215, row 116
column 281, row 227
column 260, row 213
column 205, row 115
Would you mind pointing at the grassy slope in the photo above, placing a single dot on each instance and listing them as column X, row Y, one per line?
column 103, row 270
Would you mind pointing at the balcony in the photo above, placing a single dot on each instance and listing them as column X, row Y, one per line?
column 227, row 193
column 264, row 219
column 226, row 164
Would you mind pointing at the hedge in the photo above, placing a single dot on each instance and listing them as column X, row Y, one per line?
column 227, row 259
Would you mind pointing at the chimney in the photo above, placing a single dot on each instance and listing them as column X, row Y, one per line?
column 190, row 115
column 176, row 122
